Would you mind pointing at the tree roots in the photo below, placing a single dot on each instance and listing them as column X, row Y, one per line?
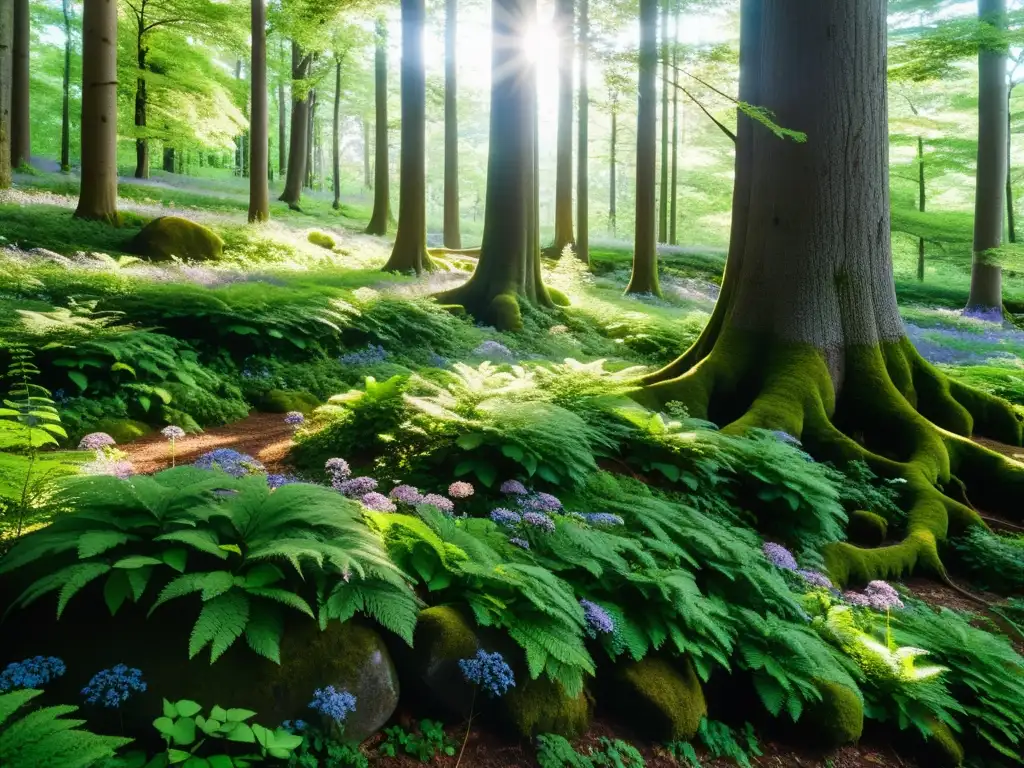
column 895, row 412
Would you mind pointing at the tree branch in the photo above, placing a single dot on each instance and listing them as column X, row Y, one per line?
column 711, row 117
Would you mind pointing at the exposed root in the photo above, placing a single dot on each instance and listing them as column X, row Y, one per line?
column 454, row 251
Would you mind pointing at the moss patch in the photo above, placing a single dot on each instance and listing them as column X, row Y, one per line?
column 943, row 750
column 284, row 401
column 123, row 430
column 837, row 719
column 867, row 528
column 558, row 297
column 170, row 236
column 504, row 313
column 321, row 239
column 660, row 698
column 443, row 636
column 542, row 706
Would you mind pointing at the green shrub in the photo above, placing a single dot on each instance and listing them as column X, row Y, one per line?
column 554, row 751
column 285, row 401
column 430, row 742
column 195, row 407
column 170, row 237
column 721, row 742
column 992, row 561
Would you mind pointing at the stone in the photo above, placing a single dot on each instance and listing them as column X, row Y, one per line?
column 541, row 706
column 836, row 720
column 173, row 237
column 443, row 637
column 662, row 698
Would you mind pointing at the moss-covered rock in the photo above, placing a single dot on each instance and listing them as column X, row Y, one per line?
column 123, row 430
column 170, row 236
column 284, row 401
column 559, row 298
column 661, row 698
column 867, row 528
column 837, row 719
column 321, row 239
column 504, row 312
column 443, row 636
column 943, row 750
column 542, row 706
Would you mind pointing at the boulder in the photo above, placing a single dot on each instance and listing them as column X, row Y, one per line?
column 541, row 706
column 321, row 240
column 170, row 236
column 443, row 637
column 662, row 698
column 838, row 719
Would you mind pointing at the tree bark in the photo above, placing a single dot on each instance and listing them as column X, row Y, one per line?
column 299, row 128
column 65, row 115
column 508, row 271
column 282, row 123
column 169, row 164
column 645, row 248
column 410, row 251
column 583, row 179
column 367, row 175
column 336, row 137
column 921, row 204
column 452, row 233
column 1011, row 216
column 381, row 193
column 21, row 124
column 141, row 95
column 674, row 184
column 310, row 138
column 259, row 116
column 6, row 46
column 663, row 191
column 613, row 168
column 97, row 198
column 563, row 175
column 993, row 122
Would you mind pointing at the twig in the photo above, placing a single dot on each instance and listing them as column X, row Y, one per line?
column 469, row 727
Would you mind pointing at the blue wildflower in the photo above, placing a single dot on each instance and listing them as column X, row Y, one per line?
column 506, row 517
column 332, row 703
column 779, row 556
column 489, row 671
column 113, row 687
column 603, row 519
column 514, row 488
column 294, row 726
column 541, row 502
column 493, row 350
column 537, row 520
column 370, row 355
column 276, row 481
column 230, row 461
column 519, row 542
column 816, row 579
column 355, row 487
column 598, row 620
column 30, row 673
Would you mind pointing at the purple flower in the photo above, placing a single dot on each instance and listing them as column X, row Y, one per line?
column 603, row 519
column 111, row 466
column 882, row 596
column 338, row 469
column 541, row 502
column 779, row 556
column 356, row 486
column 816, row 579
column 294, row 419
column 173, row 433
column 538, row 520
column 514, row 488
column 230, row 461
column 440, row 503
column 276, row 481
column 378, row 502
column 370, row 355
column 30, row 673
column 333, row 704
column 406, row 494
column 489, row 671
column 96, row 441
column 493, row 350
column 460, row 490
column 519, row 542
column 856, row 598
column 598, row 620
column 506, row 517
column 112, row 687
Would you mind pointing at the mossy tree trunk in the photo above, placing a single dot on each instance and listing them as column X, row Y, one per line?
column 645, row 248
column 65, row 113
column 807, row 337
column 1011, row 217
column 452, row 233
column 922, row 203
column 259, row 116
column 563, row 169
column 381, row 189
column 21, row 123
column 993, row 124
column 663, row 189
column 97, row 197
column 298, row 144
column 583, row 177
column 410, row 251
column 6, row 43
column 508, row 271
column 141, row 99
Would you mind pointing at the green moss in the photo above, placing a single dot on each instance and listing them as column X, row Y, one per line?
column 321, row 239
column 454, row 309
column 542, row 706
column 283, row 401
column 169, row 237
column 123, row 430
column 444, row 633
column 867, row 528
column 558, row 297
column 943, row 748
column 837, row 719
column 504, row 313
column 661, row 698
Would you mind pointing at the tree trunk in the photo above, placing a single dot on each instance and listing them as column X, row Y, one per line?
column 381, row 193
column 310, row 138
column 97, row 198
column 563, row 177
column 65, row 115
column 259, row 116
column 674, row 184
column 612, row 169
column 21, row 125
column 993, row 122
column 282, row 124
column 299, row 129
column 452, row 234
column 583, row 179
column 6, row 46
column 921, row 203
column 663, row 196
column 336, row 137
column 141, row 142
column 367, row 175
column 169, row 164
column 410, row 251
column 508, row 271
column 1011, row 217
column 645, row 248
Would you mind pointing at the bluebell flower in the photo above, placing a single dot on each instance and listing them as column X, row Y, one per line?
column 30, row 673
column 113, row 687
column 598, row 620
column 603, row 519
column 506, row 517
column 370, row 355
column 519, row 542
column 332, row 703
column 537, row 520
column 230, row 461
column 489, row 672
column 294, row 726
column 514, row 488
column 276, row 481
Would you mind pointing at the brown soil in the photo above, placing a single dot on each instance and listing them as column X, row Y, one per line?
column 263, row 436
column 1010, row 451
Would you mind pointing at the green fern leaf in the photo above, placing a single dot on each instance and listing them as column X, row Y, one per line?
column 84, row 574
column 221, row 621
column 264, row 630
column 97, row 542
column 282, row 596
column 202, row 540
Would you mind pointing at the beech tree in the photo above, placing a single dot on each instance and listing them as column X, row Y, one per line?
column 65, row 121
column 410, row 251
column 97, row 197
column 259, row 137
column 6, row 44
column 806, row 336
column 21, row 124
column 508, row 271
column 663, row 188
column 452, row 233
column 563, row 173
column 583, row 177
column 381, row 192
column 298, row 146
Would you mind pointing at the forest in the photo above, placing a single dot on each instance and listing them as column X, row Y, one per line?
column 492, row 383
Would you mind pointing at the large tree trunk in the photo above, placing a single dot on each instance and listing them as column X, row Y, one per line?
column 583, row 179
column 311, row 138
column 452, row 234
column 65, row 115
column 1011, row 216
column 169, row 164
column 410, row 251
column 673, row 214
column 97, row 198
column 21, row 124
column 645, row 248
column 282, row 123
column 508, row 271
column 259, row 116
column 336, row 137
column 993, row 122
column 807, row 337
column 141, row 142
column 921, row 204
column 299, row 129
column 663, row 197
column 613, row 169
column 563, row 174
column 6, row 45
column 381, row 193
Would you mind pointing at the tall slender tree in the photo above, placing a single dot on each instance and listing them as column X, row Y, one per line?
column 97, row 197
column 452, row 230
column 65, row 116
column 583, row 177
column 381, row 192
column 298, row 147
column 21, row 123
column 6, row 46
column 663, row 187
column 508, row 271
column 993, row 123
column 336, row 135
column 645, row 248
column 282, row 118
column 563, row 173
column 259, row 116
column 410, row 251
column 673, row 214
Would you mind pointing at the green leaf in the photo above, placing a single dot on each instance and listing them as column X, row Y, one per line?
column 242, row 732
column 513, row 451
column 486, row 473
column 221, row 621
column 219, row 713
column 470, row 441
column 170, row 710
column 77, row 578
column 145, row 402
column 175, row 558
column 239, row 715
column 80, row 379
column 94, row 543
column 123, row 367
column 670, row 471
column 137, row 561
column 187, row 708
column 116, row 591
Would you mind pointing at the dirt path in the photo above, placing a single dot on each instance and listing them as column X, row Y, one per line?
column 1010, row 451
column 263, row 436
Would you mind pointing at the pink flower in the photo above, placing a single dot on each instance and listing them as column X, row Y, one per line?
column 460, row 490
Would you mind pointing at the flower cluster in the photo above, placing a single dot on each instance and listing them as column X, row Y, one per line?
column 785, row 437
column 541, row 502
column 494, row 350
column 489, row 671
column 355, row 487
column 113, row 687
column 276, row 481
column 378, row 502
column 173, row 433
column 514, row 488
column 878, row 595
column 332, row 703
column 30, row 673
column 506, row 517
column 437, row 361
column 440, row 503
column 371, row 355
column 598, row 620
column 518, row 541
column 338, row 469
column 779, row 556
column 540, row 521
column 816, row 579
column 109, row 462
column 406, row 494
column 294, row 726
column 230, row 461
column 294, row 419
column 603, row 519
column 96, row 441
column 460, row 490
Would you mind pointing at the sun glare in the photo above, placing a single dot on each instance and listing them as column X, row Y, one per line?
column 540, row 41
